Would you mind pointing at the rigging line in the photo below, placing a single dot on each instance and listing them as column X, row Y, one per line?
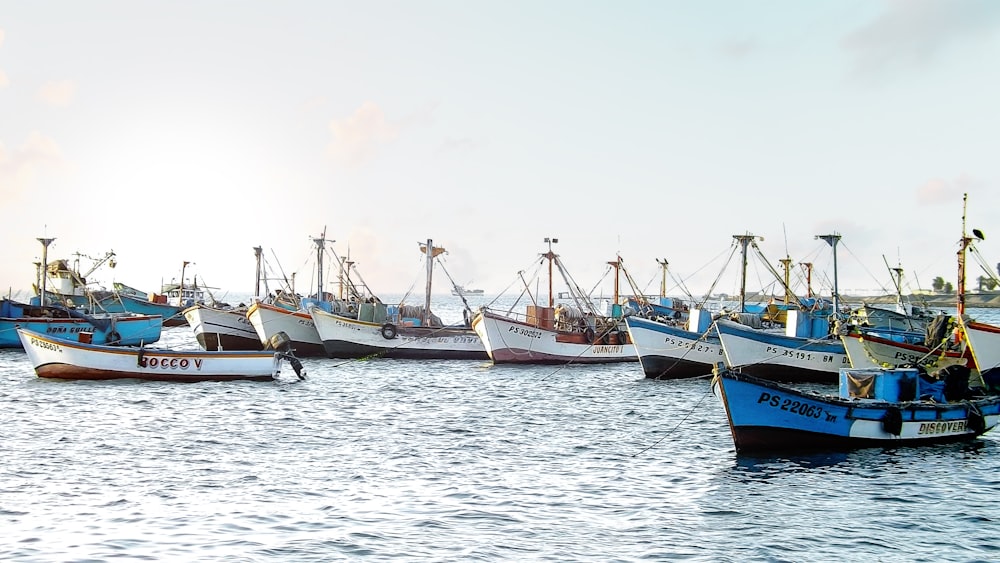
column 681, row 421
column 683, row 287
column 779, row 277
column 982, row 263
column 711, row 288
column 575, row 290
column 841, row 244
column 461, row 294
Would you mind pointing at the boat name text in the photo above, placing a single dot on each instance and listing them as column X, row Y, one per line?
column 693, row 345
column 169, row 363
column 807, row 356
column 942, row 427
column 525, row 332
column 793, row 406
column 47, row 345
column 608, row 349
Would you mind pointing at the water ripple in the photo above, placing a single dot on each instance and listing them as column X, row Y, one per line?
column 389, row 460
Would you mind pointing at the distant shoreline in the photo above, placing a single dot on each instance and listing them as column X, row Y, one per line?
column 984, row 300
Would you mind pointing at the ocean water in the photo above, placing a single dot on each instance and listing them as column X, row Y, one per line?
column 389, row 460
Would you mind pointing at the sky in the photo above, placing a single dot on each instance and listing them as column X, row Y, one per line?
column 181, row 131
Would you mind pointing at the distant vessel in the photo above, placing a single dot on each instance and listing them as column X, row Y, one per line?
column 462, row 290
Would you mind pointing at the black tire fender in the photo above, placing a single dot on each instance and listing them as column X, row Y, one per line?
column 388, row 331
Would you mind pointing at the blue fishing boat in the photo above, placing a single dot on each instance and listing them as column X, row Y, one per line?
column 876, row 407
column 66, row 323
column 173, row 315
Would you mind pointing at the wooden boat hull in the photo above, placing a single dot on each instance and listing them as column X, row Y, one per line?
column 670, row 352
column 64, row 359
column 344, row 337
column 222, row 329
column 767, row 416
column 269, row 320
column 511, row 341
column 781, row 358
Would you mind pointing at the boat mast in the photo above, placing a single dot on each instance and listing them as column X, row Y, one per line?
column 744, row 241
column 320, row 249
column 425, row 316
column 45, row 264
column 258, row 251
column 832, row 240
column 617, row 265
column 966, row 241
column 786, row 263
column 180, row 290
column 550, row 256
column 809, row 278
column 663, row 276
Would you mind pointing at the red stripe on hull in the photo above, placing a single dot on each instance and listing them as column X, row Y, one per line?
column 64, row 371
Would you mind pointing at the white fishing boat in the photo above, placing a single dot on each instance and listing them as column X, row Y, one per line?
column 808, row 351
column 66, row 359
column 552, row 334
column 273, row 316
column 460, row 290
column 222, row 329
column 397, row 331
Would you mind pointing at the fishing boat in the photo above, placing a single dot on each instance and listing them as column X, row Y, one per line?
column 568, row 333
column 66, row 282
column 219, row 327
column 984, row 344
column 673, row 352
column 780, row 357
column 65, row 359
column 66, row 323
column 867, row 347
column 672, row 344
column 398, row 331
column 807, row 351
column 875, row 407
column 460, row 291
column 983, row 338
column 273, row 315
column 172, row 315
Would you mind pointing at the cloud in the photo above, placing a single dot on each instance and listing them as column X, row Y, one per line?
column 57, row 93
column 357, row 138
column 19, row 168
column 942, row 191
column 914, row 32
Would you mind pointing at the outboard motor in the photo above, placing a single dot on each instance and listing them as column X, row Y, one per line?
column 282, row 346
